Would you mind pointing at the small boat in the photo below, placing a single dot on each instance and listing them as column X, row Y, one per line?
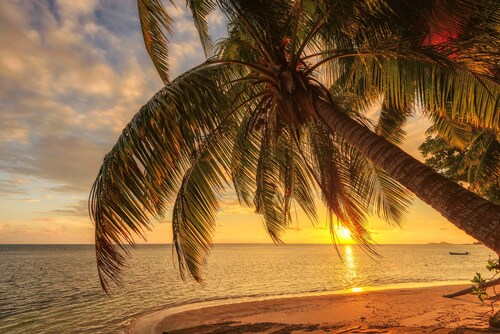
column 459, row 253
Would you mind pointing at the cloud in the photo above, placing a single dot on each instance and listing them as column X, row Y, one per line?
column 14, row 186
column 47, row 230
column 79, row 209
column 68, row 86
column 216, row 20
column 73, row 75
column 70, row 9
column 231, row 206
column 30, row 200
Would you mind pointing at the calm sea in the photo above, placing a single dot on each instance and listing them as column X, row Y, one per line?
column 55, row 289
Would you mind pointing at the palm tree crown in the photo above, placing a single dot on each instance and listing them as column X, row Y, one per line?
column 251, row 117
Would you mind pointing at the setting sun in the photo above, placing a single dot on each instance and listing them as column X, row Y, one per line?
column 344, row 233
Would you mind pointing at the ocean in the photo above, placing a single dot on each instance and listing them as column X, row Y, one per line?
column 55, row 288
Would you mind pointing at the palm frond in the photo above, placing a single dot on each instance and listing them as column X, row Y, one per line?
column 395, row 55
column 482, row 159
column 200, row 9
column 334, row 180
column 383, row 196
column 296, row 180
column 269, row 199
column 244, row 161
column 195, row 209
column 253, row 19
column 391, row 123
column 488, row 168
column 145, row 168
column 457, row 134
column 155, row 24
column 469, row 98
column 303, row 182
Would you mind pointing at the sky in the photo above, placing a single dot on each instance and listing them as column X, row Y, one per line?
column 73, row 73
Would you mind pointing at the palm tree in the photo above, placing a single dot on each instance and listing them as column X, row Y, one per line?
column 277, row 111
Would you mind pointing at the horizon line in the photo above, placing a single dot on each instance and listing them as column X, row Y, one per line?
column 251, row 243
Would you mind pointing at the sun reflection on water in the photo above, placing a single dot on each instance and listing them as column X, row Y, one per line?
column 350, row 258
column 351, row 268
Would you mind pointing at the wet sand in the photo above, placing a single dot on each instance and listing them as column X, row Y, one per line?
column 415, row 310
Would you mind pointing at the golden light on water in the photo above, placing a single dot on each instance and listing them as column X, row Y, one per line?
column 350, row 262
column 351, row 272
column 349, row 257
column 348, row 251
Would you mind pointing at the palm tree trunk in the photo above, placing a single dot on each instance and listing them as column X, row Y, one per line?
column 466, row 210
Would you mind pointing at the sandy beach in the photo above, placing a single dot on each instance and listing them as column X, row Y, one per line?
column 415, row 310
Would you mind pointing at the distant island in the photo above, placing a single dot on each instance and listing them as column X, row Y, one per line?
column 448, row 243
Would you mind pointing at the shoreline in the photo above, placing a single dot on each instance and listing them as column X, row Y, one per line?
column 261, row 313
